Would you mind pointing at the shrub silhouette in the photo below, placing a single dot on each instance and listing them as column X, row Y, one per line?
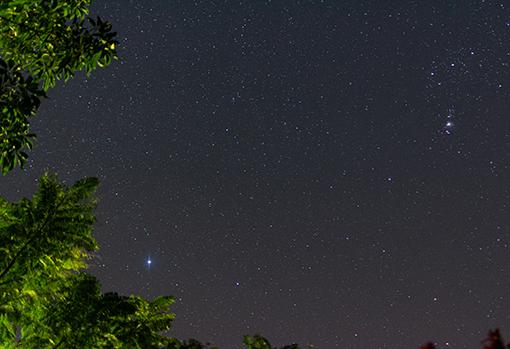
column 493, row 341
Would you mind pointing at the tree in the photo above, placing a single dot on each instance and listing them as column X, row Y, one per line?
column 85, row 318
column 46, row 300
column 189, row 344
column 42, row 42
column 259, row 342
column 251, row 342
column 493, row 341
column 20, row 98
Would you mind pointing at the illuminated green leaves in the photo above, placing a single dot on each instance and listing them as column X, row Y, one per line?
column 256, row 342
column 44, row 292
column 44, row 241
column 42, row 42
column 54, row 39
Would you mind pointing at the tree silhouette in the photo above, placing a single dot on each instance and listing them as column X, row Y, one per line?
column 259, row 342
column 493, row 341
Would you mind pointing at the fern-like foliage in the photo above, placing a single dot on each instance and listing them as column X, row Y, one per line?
column 46, row 299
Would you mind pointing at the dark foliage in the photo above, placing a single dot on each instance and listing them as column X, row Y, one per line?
column 20, row 98
column 493, row 341
column 42, row 42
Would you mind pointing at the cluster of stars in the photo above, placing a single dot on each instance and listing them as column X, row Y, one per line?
column 449, row 124
column 281, row 167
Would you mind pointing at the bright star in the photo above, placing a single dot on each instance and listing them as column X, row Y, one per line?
column 449, row 125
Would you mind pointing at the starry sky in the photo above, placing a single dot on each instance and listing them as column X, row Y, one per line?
column 325, row 172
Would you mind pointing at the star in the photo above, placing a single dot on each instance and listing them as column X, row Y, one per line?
column 191, row 150
column 449, row 124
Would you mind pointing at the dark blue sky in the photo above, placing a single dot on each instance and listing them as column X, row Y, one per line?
column 326, row 172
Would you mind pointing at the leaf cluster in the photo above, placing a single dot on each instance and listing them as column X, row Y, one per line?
column 46, row 301
column 42, row 42
column 43, row 243
column 54, row 39
column 86, row 318
column 20, row 98
column 259, row 342
column 251, row 342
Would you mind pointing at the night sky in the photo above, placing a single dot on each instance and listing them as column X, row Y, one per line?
column 326, row 172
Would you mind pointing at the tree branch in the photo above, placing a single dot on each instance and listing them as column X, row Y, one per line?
column 32, row 239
